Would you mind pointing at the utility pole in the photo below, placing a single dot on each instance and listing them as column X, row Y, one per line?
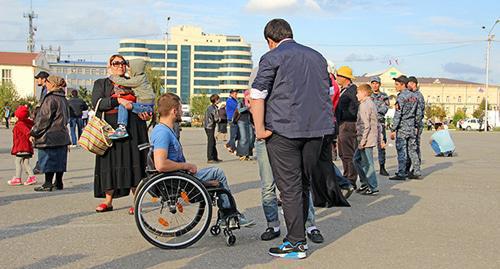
column 488, row 47
column 166, row 56
column 31, row 32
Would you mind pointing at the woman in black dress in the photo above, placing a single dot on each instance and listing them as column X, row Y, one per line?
column 121, row 168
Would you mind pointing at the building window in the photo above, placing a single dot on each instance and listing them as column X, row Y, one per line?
column 171, row 73
column 438, row 99
column 206, row 82
column 478, row 99
column 132, row 45
column 242, row 57
column 237, row 65
column 460, row 99
column 206, row 66
column 6, row 76
column 185, row 73
column 171, row 81
column 447, row 99
column 206, row 74
column 208, row 57
column 209, row 48
column 239, row 74
column 234, row 82
column 238, row 48
column 135, row 53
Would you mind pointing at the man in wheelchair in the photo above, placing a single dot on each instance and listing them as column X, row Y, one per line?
column 168, row 155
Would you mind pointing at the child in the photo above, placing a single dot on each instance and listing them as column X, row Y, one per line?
column 22, row 147
column 168, row 154
column 142, row 90
column 367, row 135
column 441, row 142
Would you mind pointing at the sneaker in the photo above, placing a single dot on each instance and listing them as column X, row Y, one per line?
column 270, row 234
column 413, row 176
column 120, row 132
column 30, row 181
column 315, row 236
column 397, row 177
column 370, row 192
column 289, row 251
column 15, row 181
column 244, row 222
column 383, row 172
column 43, row 188
column 361, row 189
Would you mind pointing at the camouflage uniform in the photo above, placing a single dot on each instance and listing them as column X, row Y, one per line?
column 381, row 101
column 405, row 126
column 419, row 116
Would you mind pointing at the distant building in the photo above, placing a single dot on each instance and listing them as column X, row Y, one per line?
column 452, row 94
column 79, row 73
column 20, row 68
column 197, row 62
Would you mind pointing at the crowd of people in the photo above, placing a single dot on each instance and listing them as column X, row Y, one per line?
column 297, row 114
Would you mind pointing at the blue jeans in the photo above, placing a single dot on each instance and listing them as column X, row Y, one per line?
column 136, row 108
column 344, row 183
column 363, row 161
column 437, row 150
column 215, row 173
column 78, row 124
column 268, row 189
column 233, row 135
column 246, row 139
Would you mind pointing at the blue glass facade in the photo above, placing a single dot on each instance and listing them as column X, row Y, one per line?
column 185, row 74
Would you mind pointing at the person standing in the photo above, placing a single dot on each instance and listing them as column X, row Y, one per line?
column 381, row 100
column 346, row 114
column 413, row 86
column 41, row 80
column 76, row 108
column 231, row 107
column 292, row 87
column 222, row 125
column 246, row 139
column 367, row 134
column 6, row 115
column 404, row 129
column 50, row 135
column 211, row 120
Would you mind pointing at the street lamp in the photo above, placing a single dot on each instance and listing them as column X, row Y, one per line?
column 488, row 47
column 166, row 55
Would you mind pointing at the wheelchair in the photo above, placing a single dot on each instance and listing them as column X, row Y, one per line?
column 174, row 210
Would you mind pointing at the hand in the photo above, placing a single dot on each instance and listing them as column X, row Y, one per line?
column 360, row 146
column 263, row 135
column 126, row 103
column 191, row 168
column 32, row 140
column 393, row 135
column 145, row 116
column 382, row 144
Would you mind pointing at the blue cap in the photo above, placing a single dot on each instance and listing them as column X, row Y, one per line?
column 376, row 79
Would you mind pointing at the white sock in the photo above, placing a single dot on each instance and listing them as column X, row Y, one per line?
column 276, row 229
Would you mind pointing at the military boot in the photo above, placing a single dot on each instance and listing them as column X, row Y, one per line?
column 383, row 172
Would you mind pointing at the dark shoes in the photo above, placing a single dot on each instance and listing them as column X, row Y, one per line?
column 269, row 234
column 370, row 192
column 43, row 188
column 214, row 161
column 397, row 177
column 414, row 176
column 362, row 189
column 315, row 236
column 383, row 172
column 289, row 251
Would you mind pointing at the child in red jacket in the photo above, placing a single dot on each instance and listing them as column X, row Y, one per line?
column 22, row 147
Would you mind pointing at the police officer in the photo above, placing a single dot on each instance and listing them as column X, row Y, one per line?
column 413, row 87
column 404, row 129
column 381, row 100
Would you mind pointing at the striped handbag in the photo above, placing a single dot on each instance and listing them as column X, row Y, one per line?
column 95, row 136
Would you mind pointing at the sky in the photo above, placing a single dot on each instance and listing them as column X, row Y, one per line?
column 422, row 38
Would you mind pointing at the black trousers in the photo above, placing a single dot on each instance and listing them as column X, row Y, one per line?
column 293, row 162
column 211, row 145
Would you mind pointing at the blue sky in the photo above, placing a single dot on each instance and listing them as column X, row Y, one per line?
column 426, row 38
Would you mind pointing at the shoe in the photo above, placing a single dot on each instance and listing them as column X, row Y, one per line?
column 43, row 188
column 244, row 222
column 412, row 176
column 211, row 161
column 397, row 177
column 383, row 172
column 36, row 171
column 440, row 155
column 15, row 181
column 119, row 133
column 370, row 192
column 289, row 251
column 315, row 236
column 347, row 192
column 131, row 210
column 103, row 208
column 219, row 160
column 269, row 234
column 361, row 189
column 30, row 181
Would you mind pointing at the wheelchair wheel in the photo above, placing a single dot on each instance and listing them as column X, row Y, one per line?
column 172, row 210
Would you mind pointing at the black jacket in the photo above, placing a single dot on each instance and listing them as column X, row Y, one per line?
column 76, row 106
column 50, row 123
column 347, row 109
column 211, row 117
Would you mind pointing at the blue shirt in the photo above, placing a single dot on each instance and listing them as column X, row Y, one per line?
column 231, row 106
column 163, row 137
column 443, row 139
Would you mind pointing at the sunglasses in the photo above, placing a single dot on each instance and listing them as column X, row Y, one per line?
column 120, row 63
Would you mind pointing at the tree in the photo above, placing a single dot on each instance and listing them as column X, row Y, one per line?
column 459, row 115
column 85, row 94
column 154, row 78
column 199, row 105
column 435, row 112
column 8, row 96
column 479, row 112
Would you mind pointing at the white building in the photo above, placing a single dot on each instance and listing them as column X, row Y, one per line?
column 20, row 68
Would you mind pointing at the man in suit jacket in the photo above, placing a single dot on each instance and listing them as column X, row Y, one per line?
column 292, row 109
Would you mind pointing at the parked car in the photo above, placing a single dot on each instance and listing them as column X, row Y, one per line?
column 471, row 124
column 186, row 118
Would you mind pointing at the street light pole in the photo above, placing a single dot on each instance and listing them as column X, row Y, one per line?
column 166, row 56
column 488, row 47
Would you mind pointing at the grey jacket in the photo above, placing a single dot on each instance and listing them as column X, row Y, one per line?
column 367, row 124
column 137, row 81
column 419, row 117
column 381, row 101
column 405, row 116
column 211, row 117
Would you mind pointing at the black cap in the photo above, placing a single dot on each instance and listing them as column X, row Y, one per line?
column 413, row 79
column 233, row 90
column 42, row 74
column 403, row 79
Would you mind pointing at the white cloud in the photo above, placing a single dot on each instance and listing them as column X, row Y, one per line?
column 280, row 6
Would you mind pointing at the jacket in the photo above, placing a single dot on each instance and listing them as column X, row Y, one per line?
column 21, row 132
column 76, row 107
column 50, row 128
column 367, row 124
column 347, row 109
column 211, row 117
column 419, row 117
column 404, row 121
column 138, row 81
column 381, row 101
column 294, row 81
column 231, row 106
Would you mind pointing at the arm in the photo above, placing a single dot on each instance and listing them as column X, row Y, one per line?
column 397, row 116
column 354, row 104
column 44, row 119
column 382, row 109
column 215, row 113
column 99, row 92
column 261, row 87
column 163, row 164
column 132, row 82
column 365, row 118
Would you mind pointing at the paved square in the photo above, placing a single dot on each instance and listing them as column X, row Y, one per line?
column 450, row 219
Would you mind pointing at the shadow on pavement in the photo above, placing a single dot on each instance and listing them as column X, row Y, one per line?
column 54, row 261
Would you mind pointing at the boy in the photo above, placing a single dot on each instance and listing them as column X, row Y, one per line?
column 168, row 154
column 144, row 95
column 367, row 135
column 441, row 142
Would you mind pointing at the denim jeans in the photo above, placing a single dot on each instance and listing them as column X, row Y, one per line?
column 78, row 124
column 344, row 183
column 246, row 139
column 136, row 108
column 215, row 173
column 268, row 189
column 363, row 161
column 437, row 149
column 381, row 151
column 233, row 135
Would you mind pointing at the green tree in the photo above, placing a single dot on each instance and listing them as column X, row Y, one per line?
column 199, row 105
column 435, row 112
column 85, row 94
column 479, row 112
column 459, row 115
column 8, row 97
column 154, row 78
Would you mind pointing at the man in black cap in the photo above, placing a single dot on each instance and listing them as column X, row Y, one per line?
column 41, row 79
column 413, row 87
column 231, row 107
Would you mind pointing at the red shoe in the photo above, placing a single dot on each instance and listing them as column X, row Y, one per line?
column 131, row 210
column 30, row 181
column 103, row 208
column 15, row 181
